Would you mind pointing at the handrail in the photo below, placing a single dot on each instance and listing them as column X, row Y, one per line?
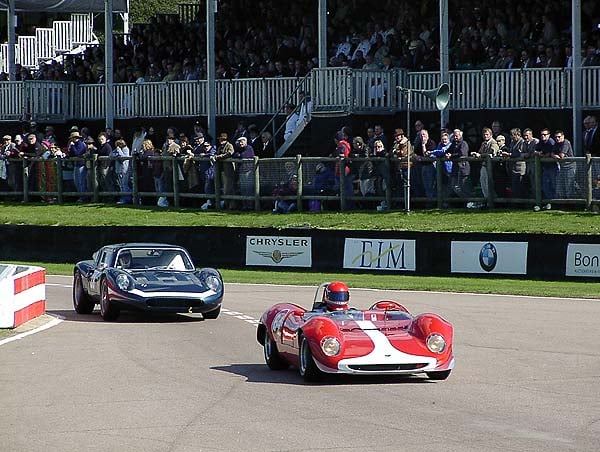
column 271, row 122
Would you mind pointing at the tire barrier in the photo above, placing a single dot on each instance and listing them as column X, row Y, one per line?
column 22, row 294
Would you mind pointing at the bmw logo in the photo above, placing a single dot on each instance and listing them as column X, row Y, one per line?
column 488, row 257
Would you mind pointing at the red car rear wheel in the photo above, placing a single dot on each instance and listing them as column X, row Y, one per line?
column 272, row 356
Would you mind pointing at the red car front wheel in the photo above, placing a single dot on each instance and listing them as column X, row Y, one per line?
column 308, row 368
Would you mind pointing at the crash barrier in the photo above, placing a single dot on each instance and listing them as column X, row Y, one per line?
column 541, row 256
column 22, row 294
column 306, row 183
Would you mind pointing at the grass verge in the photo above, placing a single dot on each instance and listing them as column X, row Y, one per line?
column 451, row 220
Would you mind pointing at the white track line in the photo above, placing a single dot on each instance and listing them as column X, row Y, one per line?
column 55, row 321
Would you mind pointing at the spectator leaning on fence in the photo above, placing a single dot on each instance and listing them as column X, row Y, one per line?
column 223, row 155
column 567, row 185
column 442, row 152
column 489, row 147
column 517, row 166
column 401, row 148
column 105, row 168
column 531, row 144
column 501, row 168
column 207, row 172
column 245, row 170
column 461, row 169
column 342, row 152
column 428, row 172
column 122, row 166
column 545, row 149
column 6, row 152
column 77, row 148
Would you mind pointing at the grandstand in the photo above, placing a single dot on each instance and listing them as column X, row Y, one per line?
column 517, row 59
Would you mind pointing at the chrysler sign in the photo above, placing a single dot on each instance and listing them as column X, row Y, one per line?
column 279, row 251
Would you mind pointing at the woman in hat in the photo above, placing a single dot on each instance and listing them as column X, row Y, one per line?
column 77, row 148
column 47, row 175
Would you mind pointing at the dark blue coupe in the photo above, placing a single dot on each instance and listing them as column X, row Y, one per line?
column 148, row 277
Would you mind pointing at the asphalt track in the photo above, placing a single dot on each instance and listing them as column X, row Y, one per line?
column 527, row 378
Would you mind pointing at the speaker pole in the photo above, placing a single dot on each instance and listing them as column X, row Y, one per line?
column 408, row 152
column 440, row 96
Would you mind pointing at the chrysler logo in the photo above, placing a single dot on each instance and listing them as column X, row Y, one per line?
column 277, row 256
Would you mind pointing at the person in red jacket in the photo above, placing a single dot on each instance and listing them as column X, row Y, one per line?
column 342, row 151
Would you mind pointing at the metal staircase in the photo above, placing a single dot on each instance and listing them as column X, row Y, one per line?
column 287, row 144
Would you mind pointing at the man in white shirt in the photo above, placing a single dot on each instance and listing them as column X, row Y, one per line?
column 291, row 122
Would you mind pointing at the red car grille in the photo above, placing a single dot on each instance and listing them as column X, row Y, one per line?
column 386, row 367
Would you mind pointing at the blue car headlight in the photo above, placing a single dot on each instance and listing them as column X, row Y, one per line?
column 124, row 282
column 214, row 283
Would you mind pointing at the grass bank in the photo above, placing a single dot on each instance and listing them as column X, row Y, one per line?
column 458, row 220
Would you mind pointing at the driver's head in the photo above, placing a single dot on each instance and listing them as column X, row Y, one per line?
column 125, row 259
column 336, row 296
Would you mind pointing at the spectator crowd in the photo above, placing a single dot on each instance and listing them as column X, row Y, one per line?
column 501, row 164
column 270, row 38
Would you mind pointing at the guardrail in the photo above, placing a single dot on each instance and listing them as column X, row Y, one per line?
column 333, row 91
column 255, row 184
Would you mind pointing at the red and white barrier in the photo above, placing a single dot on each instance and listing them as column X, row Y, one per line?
column 22, row 294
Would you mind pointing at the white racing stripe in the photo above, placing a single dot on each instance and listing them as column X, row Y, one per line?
column 384, row 352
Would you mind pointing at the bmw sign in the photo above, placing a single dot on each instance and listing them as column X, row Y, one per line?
column 509, row 258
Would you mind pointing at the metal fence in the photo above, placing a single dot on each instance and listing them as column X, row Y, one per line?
column 333, row 91
column 305, row 183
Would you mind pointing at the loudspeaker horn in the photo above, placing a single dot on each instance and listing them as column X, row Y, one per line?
column 440, row 95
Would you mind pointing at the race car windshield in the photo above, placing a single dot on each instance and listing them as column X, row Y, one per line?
column 350, row 314
column 154, row 259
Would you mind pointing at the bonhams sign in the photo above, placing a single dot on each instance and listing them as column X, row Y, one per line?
column 583, row 260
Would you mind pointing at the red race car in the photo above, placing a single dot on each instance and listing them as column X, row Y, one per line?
column 333, row 338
